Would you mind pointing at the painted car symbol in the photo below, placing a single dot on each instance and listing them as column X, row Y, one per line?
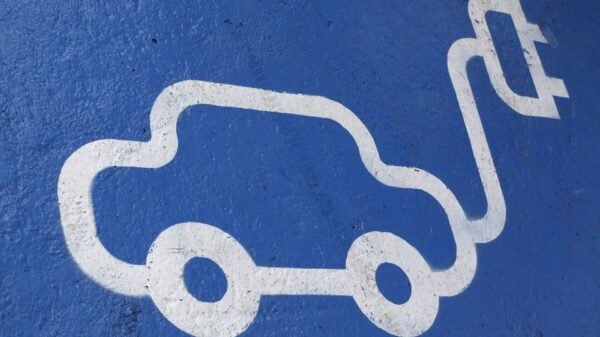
column 161, row 276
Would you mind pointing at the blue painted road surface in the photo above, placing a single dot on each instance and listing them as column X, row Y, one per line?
column 296, row 168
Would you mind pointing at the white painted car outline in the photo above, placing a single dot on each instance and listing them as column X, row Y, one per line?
column 161, row 277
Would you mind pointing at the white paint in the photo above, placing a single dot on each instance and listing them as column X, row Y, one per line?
column 161, row 277
column 168, row 255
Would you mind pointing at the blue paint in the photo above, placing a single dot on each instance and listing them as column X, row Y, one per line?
column 205, row 280
column 393, row 283
column 295, row 193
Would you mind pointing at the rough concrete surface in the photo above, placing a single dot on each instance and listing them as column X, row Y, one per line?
column 295, row 191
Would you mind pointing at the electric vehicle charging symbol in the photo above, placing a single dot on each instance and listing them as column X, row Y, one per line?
column 161, row 276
